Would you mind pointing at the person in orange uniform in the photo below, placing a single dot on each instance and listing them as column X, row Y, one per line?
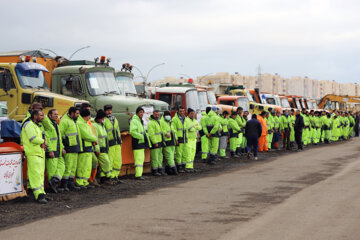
column 263, row 146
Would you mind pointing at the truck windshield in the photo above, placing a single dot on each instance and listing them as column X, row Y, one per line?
column 202, row 100
column 31, row 78
column 100, row 83
column 285, row 103
column 270, row 101
column 192, row 100
column 126, row 85
column 243, row 102
column 298, row 105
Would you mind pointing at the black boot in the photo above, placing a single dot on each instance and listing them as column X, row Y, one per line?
column 41, row 199
column 238, row 151
column 64, row 184
column 72, row 186
column 53, row 184
column 233, row 154
column 161, row 171
column 174, row 171
column 154, row 172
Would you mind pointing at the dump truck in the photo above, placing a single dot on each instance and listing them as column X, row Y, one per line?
column 23, row 82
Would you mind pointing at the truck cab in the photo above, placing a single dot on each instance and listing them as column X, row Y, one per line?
column 95, row 82
column 185, row 95
column 23, row 82
column 231, row 103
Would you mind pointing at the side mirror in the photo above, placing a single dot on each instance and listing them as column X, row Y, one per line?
column 252, row 106
column 6, row 81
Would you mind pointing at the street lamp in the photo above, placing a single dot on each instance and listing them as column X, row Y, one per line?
column 49, row 50
column 77, row 51
column 146, row 77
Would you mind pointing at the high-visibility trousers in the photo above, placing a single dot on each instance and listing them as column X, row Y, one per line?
column 190, row 151
column 156, row 158
column 327, row 135
column 179, row 154
column 105, row 165
column 55, row 168
column 223, row 145
column 35, row 172
column 83, row 171
column 233, row 144
column 139, row 156
column 169, row 155
column 94, row 164
column 204, row 147
column 243, row 143
column 71, row 160
column 292, row 134
column 317, row 135
column 304, row 136
column 214, row 145
column 115, row 160
column 269, row 138
column 263, row 143
column 239, row 140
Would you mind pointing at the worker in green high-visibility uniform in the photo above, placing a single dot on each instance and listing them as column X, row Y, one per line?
column 323, row 117
column 234, row 130
column 192, row 127
column 326, row 126
column 306, row 131
column 241, row 122
column 102, row 148
column 179, row 121
column 87, row 141
column 71, row 140
column 335, row 127
column 203, row 134
column 169, row 133
column 140, row 142
column 156, row 140
column 243, row 144
column 292, row 130
column 275, row 141
column 34, row 147
column 114, row 137
column 317, row 124
column 213, row 126
column 352, row 124
column 285, row 129
column 270, row 124
column 55, row 163
column 224, row 121
column 346, row 125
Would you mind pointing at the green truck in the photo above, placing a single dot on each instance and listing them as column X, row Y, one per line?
column 96, row 83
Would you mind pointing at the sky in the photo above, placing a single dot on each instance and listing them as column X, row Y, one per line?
column 319, row 39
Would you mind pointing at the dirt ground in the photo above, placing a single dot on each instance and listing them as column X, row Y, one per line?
column 25, row 210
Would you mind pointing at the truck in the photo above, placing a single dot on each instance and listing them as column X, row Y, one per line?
column 331, row 102
column 231, row 103
column 176, row 95
column 23, row 82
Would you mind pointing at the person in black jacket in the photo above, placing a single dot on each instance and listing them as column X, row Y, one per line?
column 253, row 131
column 356, row 127
column 298, row 127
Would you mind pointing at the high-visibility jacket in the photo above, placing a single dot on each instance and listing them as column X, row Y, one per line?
column 317, row 122
column 111, row 125
column 86, row 135
column 203, row 123
column 277, row 122
column 241, row 122
column 271, row 121
column 225, row 126
column 139, row 136
column 285, row 122
column 40, row 124
column 53, row 137
column 335, row 127
column 168, row 127
column 263, row 125
column 180, row 129
column 102, row 136
column 155, row 132
column 326, row 122
column 192, row 126
column 69, row 131
column 213, row 124
column 32, row 138
column 234, row 128
column 352, row 121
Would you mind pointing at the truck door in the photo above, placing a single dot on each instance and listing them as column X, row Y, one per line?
column 8, row 91
column 70, row 85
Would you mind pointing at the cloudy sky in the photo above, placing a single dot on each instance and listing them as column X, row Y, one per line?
column 319, row 39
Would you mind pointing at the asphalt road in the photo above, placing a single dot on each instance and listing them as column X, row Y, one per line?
column 313, row 194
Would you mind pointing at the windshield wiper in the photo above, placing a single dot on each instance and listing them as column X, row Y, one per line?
column 28, row 86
